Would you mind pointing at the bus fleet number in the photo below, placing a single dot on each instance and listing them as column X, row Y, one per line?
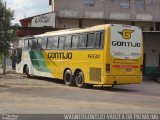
column 93, row 56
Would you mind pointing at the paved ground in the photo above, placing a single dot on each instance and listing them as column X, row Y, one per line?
column 40, row 95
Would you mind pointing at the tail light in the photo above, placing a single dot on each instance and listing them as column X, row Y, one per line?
column 108, row 67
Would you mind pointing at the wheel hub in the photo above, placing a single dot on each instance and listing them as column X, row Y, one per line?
column 79, row 79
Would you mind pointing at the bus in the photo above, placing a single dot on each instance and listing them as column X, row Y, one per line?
column 109, row 54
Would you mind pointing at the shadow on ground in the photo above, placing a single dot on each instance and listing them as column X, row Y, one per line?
column 104, row 88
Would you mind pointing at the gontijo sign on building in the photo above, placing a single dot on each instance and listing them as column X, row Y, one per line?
column 47, row 19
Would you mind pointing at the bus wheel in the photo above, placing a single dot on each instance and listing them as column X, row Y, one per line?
column 27, row 71
column 79, row 78
column 68, row 79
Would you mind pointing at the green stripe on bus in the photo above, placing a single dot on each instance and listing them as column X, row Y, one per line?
column 38, row 61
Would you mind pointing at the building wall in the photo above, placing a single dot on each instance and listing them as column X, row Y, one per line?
column 108, row 9
column 119, row 22
column 64, row 23
column 92, row 22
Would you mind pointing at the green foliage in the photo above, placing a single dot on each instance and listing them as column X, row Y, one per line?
column 7, row 31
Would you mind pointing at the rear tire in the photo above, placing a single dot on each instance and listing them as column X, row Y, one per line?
column 68, row 79
column 79, row 78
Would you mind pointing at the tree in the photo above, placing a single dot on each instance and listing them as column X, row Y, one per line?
column 7, row 31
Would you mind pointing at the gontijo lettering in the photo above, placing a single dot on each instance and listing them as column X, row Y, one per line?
column 126, row 44
column 60, row 55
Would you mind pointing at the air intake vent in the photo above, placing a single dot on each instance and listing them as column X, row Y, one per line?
column 95, row 74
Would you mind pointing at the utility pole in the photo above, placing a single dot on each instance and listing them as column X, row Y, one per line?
column 4, row 47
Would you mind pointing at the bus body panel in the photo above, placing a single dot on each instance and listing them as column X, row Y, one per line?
column 118, row 62
column 124, row 67
column 85, row 60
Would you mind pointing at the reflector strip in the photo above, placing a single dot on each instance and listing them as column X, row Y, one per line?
column 125, row 66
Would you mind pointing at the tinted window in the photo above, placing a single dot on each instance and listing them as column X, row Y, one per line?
column 102, row 40
column 68, row 41
column 75, row 39
column 99, row 40
column 25, row 44
column 61, row 42
column 82, row 41
column 55, row 42
column 49, row 43
column 30, row 43
column 34, row 44
column 91, row 40
column 21, row 43
column 39, row 46
column 44, row 43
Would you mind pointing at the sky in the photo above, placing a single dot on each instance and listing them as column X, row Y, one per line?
column 27, row 8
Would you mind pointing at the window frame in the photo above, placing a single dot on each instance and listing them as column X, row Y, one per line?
column 77, row 41
column 85, row 47
column 125, row 4
column 26, row 47
column 140, row 5
column 89, row 3
column 66, row 40
column 34, row 47
column 42, row 39
column 92, row 47
column 49, row 38
column 59, row 42
column 57, row 39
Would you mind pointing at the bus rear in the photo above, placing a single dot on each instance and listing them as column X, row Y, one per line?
column 124, row 56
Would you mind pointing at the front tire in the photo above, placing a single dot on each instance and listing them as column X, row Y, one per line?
column 27, row 72
column 68, row 79
column 79, row 78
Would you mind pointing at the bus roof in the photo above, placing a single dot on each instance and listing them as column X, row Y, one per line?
column 74, row 30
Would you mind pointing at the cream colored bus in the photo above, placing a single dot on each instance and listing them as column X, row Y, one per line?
column 110, row 54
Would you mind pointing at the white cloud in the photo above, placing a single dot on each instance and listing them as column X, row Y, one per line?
column 27, row 8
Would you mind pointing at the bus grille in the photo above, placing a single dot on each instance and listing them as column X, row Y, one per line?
column 95, row 74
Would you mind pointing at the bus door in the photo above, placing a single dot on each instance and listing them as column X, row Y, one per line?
column 19, row 55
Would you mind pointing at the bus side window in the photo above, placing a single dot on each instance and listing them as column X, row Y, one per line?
column 67, row 44
column 39, row 46
column 49, row 43
column 97, row 42
column 55, row 42
column 34, row 44
column 25, row 44
column 61, row 42
column 75, row 39
column 44, row 43
column 101, row 40
column 82, row 41
column 21, row 43
column 90, row 40
column 30, row 44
